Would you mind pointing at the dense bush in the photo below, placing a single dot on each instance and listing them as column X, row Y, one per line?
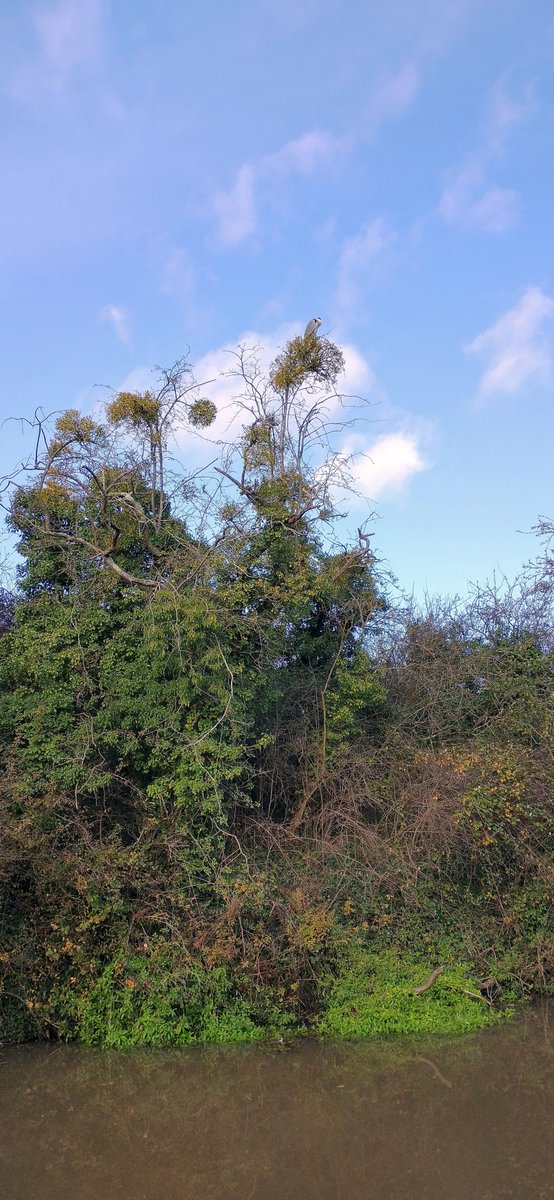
column 242, row 792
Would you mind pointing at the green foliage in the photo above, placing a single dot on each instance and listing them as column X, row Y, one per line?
column 202, row 413
column 73, row 427
column 133, row 408
column 150, row 1002
column 307, row 358
column 500, row 808
column 373, row 996
column 129, row 700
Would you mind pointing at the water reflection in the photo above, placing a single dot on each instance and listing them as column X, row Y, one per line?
column 467, row 1119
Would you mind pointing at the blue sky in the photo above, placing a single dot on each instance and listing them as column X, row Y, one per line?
column 202, row 174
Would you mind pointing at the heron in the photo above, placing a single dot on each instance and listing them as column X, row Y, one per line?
column 312, row 327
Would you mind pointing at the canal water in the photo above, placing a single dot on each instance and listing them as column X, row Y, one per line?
column 448, row 1119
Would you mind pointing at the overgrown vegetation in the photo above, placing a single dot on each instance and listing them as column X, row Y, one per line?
column 242, row 792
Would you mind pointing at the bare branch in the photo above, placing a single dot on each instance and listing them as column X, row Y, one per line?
column 424, row 987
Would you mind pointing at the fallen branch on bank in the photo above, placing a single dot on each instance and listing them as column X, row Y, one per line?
column 424, row 987
column 476, row 996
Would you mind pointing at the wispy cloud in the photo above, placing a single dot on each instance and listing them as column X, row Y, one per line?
column 236, row 210
column 395, row 96
column 469, row 201
column 356, row 255
column 69, row 33
column 519, row 347
column 506, row 112
column 178, row 276
column 117, row 318
column 68, row 40
column 304, row 154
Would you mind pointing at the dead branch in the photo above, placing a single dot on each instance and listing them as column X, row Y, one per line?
column 476, row 996
column 418, row 991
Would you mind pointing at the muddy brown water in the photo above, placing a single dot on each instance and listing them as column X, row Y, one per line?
column 454, row 1119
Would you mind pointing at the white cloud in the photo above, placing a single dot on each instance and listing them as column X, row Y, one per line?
column 139, row 379
column 118, row 320
column 69, row 33
column 467, row 203
column 394, row 97
column 359, row 379
column 236, row 209
column 69, row 41
column 385, row 465
column 304, row 154
column 518, row 347
column 506, row 113
column 356, row 255
column 178, row 274
column 178, row 278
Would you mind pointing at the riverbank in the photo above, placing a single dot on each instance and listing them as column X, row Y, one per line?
column 370, row 995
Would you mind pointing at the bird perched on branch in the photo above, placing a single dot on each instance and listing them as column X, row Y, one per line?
column 312, row 327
